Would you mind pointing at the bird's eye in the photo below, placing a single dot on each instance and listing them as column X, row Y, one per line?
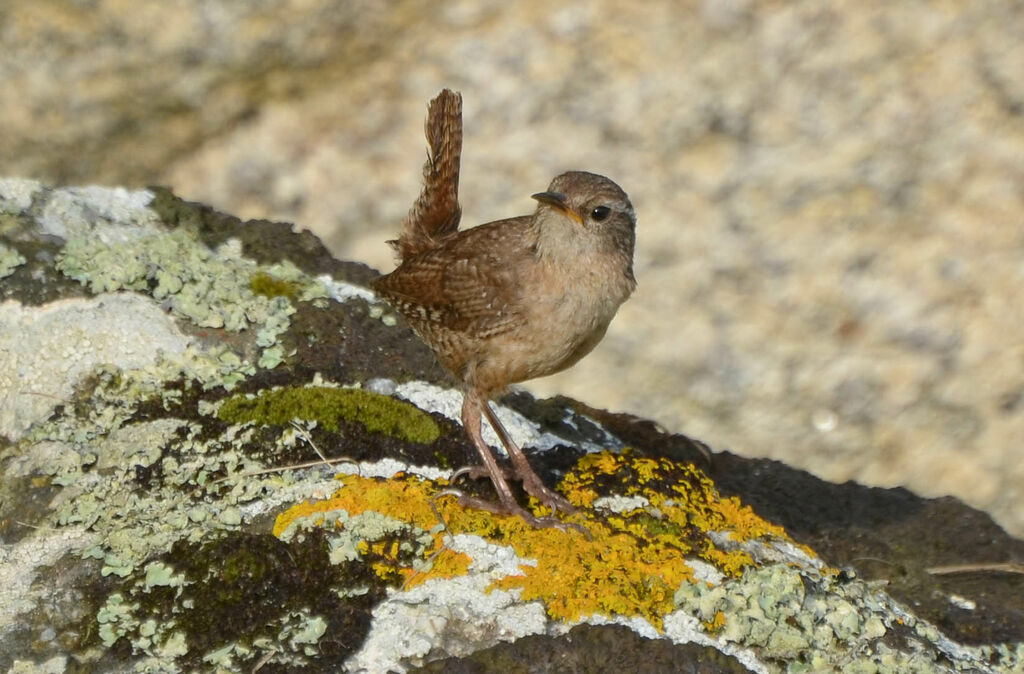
column 600, row 213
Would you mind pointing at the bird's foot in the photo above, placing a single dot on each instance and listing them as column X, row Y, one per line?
column 532, row 483
column 516, row 510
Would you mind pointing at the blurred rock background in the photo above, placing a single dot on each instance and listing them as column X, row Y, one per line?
column 830, row 192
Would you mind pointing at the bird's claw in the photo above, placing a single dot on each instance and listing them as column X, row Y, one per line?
column 516, row 510
column 474, row 473
column 533, row 485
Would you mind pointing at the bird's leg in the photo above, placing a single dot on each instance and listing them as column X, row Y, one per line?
column 531, row 481
column 471, row 422
column 471, row 405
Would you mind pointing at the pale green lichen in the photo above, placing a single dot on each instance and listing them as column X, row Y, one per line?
column 213, row 289
column 95, row 458
column 159, row 574
column 10, row 259
column 230, row 516
column 235, row 602
column 115, row 619
column 271, row 357
column 806, row 621
column 118, row 618
column 297, row 631
column 306, row 632
column 386, row 317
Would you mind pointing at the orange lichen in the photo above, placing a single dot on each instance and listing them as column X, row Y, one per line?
column 630, row 564
column 613, row 572
column 446, row 564
column 716, row 623
column 410, row 497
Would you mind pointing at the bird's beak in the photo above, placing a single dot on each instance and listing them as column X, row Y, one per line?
column 559, row 201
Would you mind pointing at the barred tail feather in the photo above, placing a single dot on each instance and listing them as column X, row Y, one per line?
column 435, row 215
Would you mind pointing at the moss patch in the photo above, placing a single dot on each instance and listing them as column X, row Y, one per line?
column 266, row 285
column 378, row 413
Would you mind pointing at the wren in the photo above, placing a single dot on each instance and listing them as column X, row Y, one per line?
column 509, row 300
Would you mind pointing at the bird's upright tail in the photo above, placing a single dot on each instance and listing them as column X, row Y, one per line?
column 436, row 213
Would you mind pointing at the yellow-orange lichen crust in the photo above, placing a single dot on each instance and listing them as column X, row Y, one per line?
column 630, row 565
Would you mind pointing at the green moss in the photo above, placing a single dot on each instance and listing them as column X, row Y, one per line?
column 378, row 413
column 266, row 285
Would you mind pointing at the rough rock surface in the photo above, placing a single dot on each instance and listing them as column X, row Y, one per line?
column 829, row 191
column 174, row 382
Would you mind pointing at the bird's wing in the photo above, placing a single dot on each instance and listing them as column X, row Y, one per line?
column 468, row 285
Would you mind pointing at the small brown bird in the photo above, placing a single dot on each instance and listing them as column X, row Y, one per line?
column 513, row 299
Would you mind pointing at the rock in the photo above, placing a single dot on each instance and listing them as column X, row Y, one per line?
column 220, row 452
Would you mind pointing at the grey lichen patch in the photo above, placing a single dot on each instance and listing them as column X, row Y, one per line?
column 46, row 351
column 135, row 444
column 808, row 622
column 10, row 259
column 110, row 214
column 16, row 194
column 55, row 665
